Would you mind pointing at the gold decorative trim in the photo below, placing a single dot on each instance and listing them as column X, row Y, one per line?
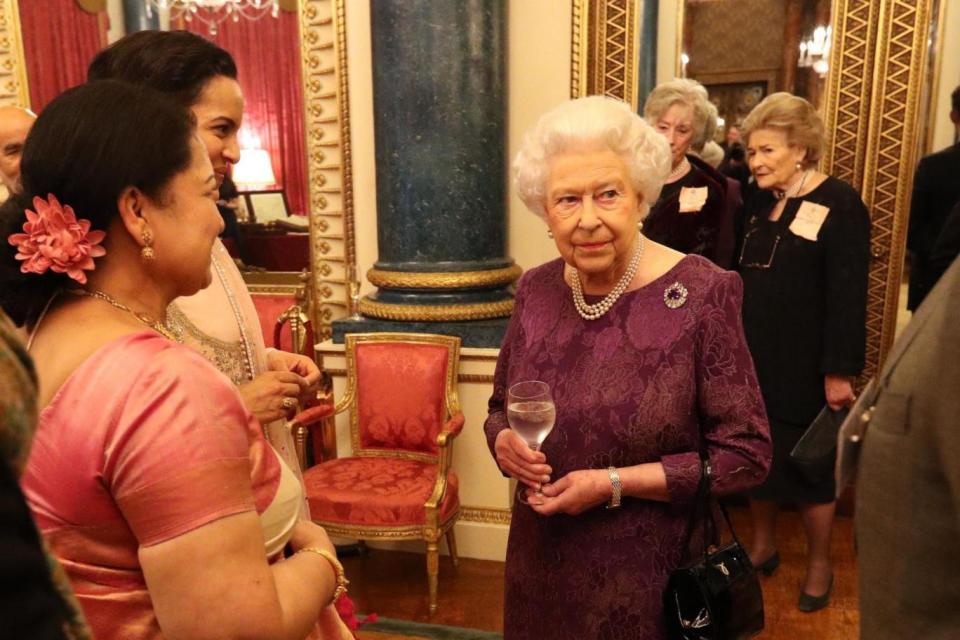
column 444, row 280
column 436, row 313
column 485, row 515
column 14, row 90
column 483, row 378
column 464, row 378
column 605, row 47
column 323, row 50
column 890, row 160
column 411, row 532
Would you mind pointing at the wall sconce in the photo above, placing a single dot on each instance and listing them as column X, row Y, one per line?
column 815, row 51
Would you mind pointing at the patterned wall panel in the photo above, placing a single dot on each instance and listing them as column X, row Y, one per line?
column 755, row 25
column 605, row 39
column 890, row 158
column 13, row 70
column 326, row 108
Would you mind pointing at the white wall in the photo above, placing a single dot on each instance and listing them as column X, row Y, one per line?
column 540, row 33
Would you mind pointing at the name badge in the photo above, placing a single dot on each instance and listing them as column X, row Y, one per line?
column 809, row 219
column 692, row 199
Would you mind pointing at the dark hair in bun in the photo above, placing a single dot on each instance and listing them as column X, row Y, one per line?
column 86, row 147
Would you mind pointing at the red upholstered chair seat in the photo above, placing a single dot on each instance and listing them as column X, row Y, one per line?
column 377, row 491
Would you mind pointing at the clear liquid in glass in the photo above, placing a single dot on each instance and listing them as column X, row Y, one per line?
column 532, row 420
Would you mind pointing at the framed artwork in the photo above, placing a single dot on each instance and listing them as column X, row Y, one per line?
column 266, row 206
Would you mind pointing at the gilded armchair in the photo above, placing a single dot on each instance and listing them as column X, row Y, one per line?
column 404, row 415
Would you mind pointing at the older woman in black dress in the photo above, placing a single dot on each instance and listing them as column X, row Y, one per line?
column 691, row 213
column 803, row 260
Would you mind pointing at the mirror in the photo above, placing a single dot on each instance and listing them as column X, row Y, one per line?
column 744, row 50
column 293, row 212
column 933, row 197
column 869, row 98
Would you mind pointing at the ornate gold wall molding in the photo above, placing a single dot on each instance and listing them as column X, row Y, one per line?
column 437, row 280
column 13, row 67
column 323, row 47
column 485, row 515
column 890, row 159
column 871, row 113
column 849, row 88
column 605, row 47
column 436, row 313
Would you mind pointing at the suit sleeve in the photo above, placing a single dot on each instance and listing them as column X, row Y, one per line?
column 921, row 233
column 946, row 249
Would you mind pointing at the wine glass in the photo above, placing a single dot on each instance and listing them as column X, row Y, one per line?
column 531, row 414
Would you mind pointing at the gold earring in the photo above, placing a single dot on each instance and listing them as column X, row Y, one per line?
column 146, row 251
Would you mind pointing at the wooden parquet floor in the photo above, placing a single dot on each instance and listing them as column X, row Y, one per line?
column 394, row 585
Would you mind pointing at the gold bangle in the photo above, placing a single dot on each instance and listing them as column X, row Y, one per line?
column 341, row 575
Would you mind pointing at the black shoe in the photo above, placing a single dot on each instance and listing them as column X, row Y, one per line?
column 809, row 603
column 768, row 566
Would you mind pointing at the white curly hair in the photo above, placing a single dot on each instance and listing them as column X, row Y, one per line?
column 686, row 92
column 594, row 122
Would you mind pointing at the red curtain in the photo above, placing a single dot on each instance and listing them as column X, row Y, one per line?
column 59, row 40
column 267, row 52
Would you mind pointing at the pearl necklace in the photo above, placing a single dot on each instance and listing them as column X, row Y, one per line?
column 156, row 325
column 681, row 169
column 780, row 195
column 594, row 311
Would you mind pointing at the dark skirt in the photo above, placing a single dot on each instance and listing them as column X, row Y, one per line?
column 786, row 483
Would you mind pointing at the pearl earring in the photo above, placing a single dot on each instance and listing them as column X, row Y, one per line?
column 550, row 234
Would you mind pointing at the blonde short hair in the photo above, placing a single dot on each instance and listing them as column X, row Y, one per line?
column 795, row 117
column 683, row 91
column 590, row 123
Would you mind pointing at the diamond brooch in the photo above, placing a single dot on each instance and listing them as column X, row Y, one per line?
column 675, row 295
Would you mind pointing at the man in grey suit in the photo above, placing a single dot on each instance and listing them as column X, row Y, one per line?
column 908, row 489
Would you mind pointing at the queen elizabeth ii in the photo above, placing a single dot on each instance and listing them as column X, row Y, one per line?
column 644, row 351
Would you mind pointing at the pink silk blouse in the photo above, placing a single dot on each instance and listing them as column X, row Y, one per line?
column 144, row 442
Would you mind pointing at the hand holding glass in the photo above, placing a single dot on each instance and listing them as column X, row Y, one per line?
column 531, row 414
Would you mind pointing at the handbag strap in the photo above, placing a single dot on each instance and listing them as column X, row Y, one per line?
column 702, row 512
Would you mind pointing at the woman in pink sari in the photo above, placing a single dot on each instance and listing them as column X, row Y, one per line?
column 149, row 478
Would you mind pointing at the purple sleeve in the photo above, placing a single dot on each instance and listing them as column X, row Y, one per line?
column 732, row 415
column 497, row 416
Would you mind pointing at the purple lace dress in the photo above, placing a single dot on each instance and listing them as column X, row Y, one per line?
column 637, row 385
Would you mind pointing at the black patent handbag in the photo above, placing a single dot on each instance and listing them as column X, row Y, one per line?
column 716, row 596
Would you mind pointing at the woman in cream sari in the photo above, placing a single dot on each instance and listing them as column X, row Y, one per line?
column 220, row 321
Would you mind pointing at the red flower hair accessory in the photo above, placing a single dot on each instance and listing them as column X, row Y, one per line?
column 54, row 239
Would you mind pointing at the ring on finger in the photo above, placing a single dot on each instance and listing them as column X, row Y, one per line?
column 289, row 403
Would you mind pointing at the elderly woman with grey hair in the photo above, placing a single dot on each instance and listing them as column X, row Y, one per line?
column 644, row 352
column 691, row 214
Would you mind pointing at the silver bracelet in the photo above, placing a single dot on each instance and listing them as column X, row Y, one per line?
column 617, row 488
